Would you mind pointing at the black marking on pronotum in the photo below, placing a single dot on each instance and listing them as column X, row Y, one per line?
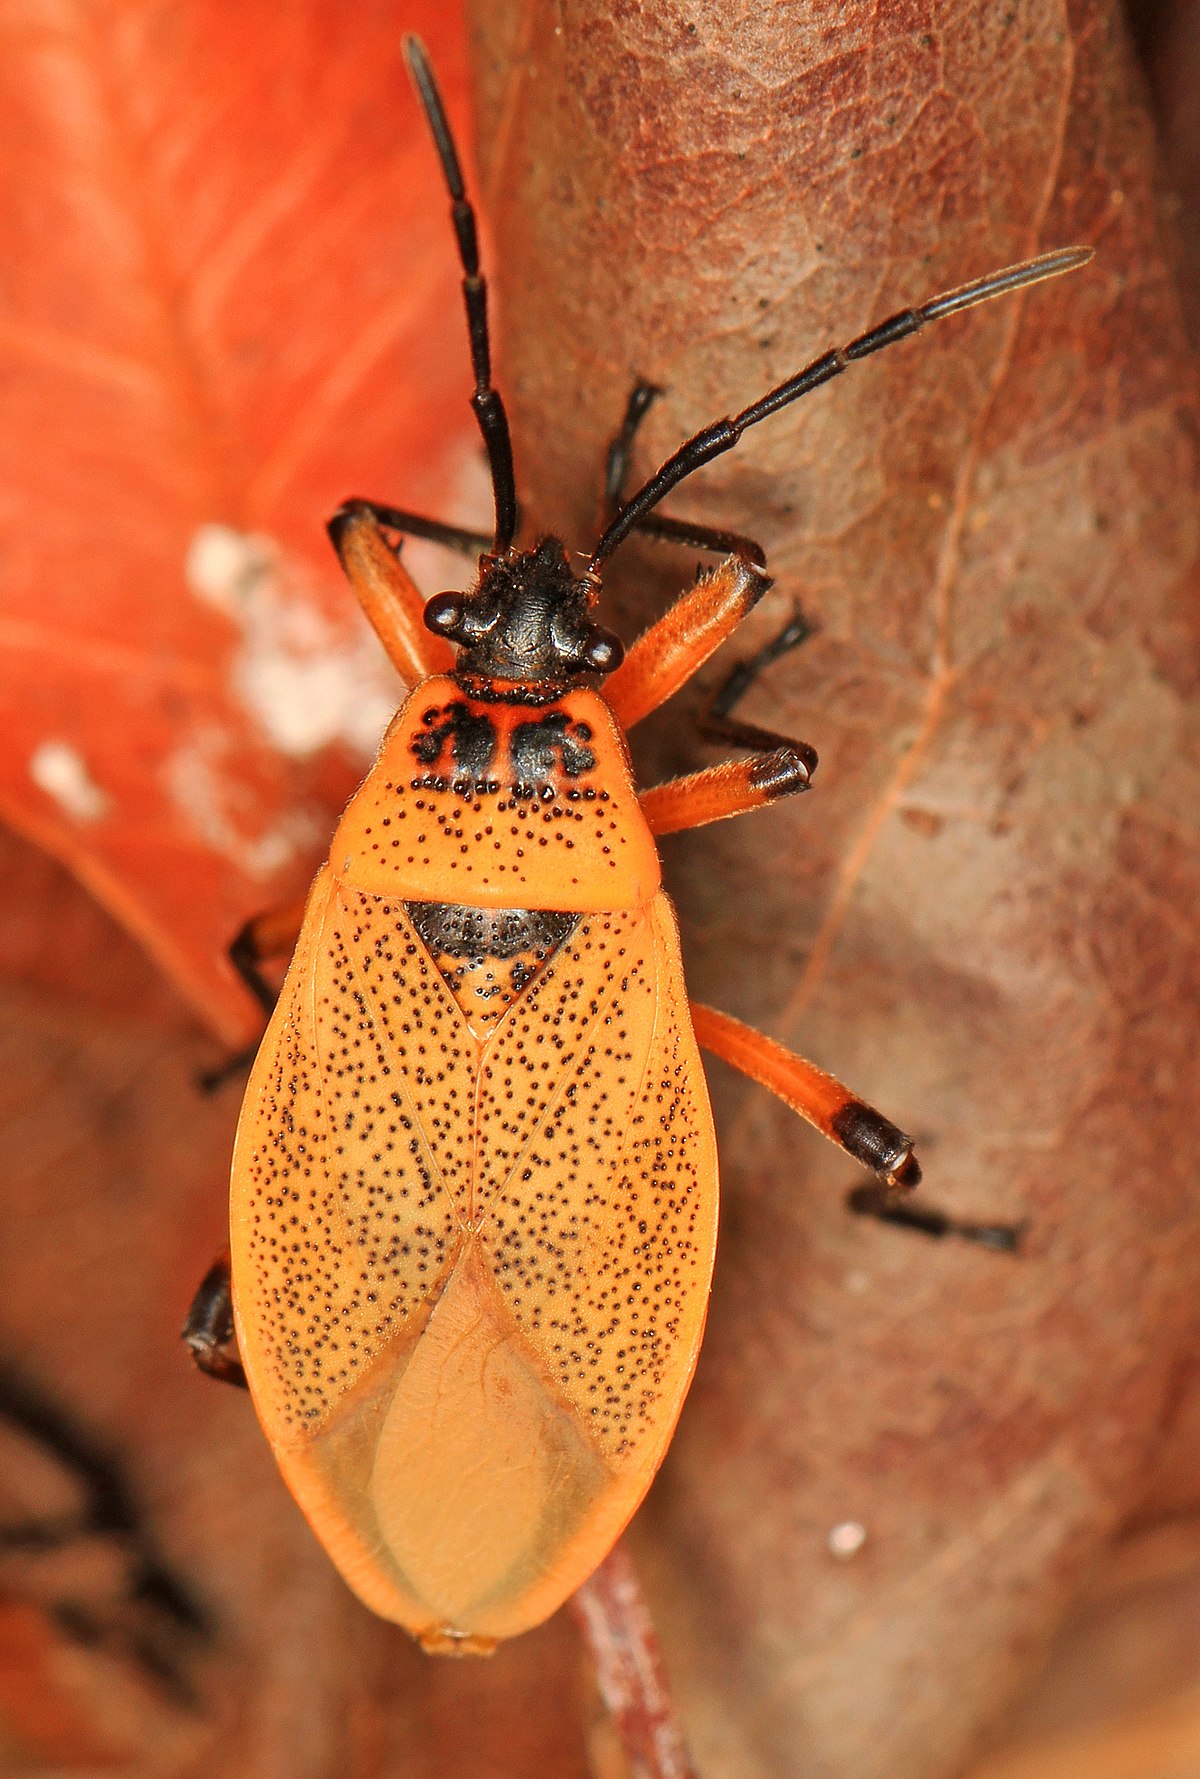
column 554, row 743
column 876, row 1142
column 472, row 738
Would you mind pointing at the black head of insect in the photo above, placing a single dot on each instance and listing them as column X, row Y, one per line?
column 528, row 617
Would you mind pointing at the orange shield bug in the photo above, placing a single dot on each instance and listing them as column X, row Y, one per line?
column 474, row 1192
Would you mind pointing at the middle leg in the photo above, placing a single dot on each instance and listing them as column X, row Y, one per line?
column 779, row 766
column 272, row 934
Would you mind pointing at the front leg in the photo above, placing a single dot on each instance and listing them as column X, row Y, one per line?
column 390, row 599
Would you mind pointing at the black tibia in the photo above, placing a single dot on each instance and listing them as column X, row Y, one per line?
column 489, row 409
column 722, row 435
column 272, row 934
column 145, row 1614
column 878, row 1202
column 208, row 1332
column 679, row 531
column 717, row 722
column 246, row 954
column 452, row 537
column 879, row 1144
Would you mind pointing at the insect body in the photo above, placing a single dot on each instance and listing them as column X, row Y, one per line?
column 475, row 1181
column 477, row 1178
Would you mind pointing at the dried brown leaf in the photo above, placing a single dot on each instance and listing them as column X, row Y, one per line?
column 984, row 916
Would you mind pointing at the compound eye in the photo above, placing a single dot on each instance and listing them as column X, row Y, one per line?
column 603, row 652
column 444, row 615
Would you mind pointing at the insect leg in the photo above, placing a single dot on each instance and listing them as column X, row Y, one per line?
column 778, row 768
column 733, row 788
column 435, row 531
column 838, row 1114
column 681, row 531
column 666, row 656
column 208, row 1331
column 620, row 450
column 270, row 934
column 718, row 722
column 393, row 603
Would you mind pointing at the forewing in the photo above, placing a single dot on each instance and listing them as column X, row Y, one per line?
column 596, row 1141
column 344, row 1220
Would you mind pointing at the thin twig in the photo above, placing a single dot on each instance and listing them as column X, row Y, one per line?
column 612, row 1614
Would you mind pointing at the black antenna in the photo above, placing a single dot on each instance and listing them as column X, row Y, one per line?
column 724, row 434
column 489, row 409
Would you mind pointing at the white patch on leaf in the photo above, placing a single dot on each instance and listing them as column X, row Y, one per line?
column 203, row 784
column 61, row 771
column 307, row 681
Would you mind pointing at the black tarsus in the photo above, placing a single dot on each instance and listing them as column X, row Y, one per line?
column 238, row 1062
column 246, row 956
column 717, row 722
column 642, row 397
column 722, row 435
column 703, row 537
column 489, row 409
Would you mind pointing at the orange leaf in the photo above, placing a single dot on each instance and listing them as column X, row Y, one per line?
column 230, row 302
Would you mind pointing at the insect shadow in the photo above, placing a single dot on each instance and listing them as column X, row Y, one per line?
column 141, row 1609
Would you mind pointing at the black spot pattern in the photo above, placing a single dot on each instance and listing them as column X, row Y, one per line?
column 574, row 1143
column 353, row 1179
column 595, row 1126
column 493, row 836
column 487, row 957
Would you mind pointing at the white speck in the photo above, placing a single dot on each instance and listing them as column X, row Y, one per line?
column 222, row 565
column 858, row 1283
column 203, row 784
column 308, row 679
column 61, row 771
column 846, row 1540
